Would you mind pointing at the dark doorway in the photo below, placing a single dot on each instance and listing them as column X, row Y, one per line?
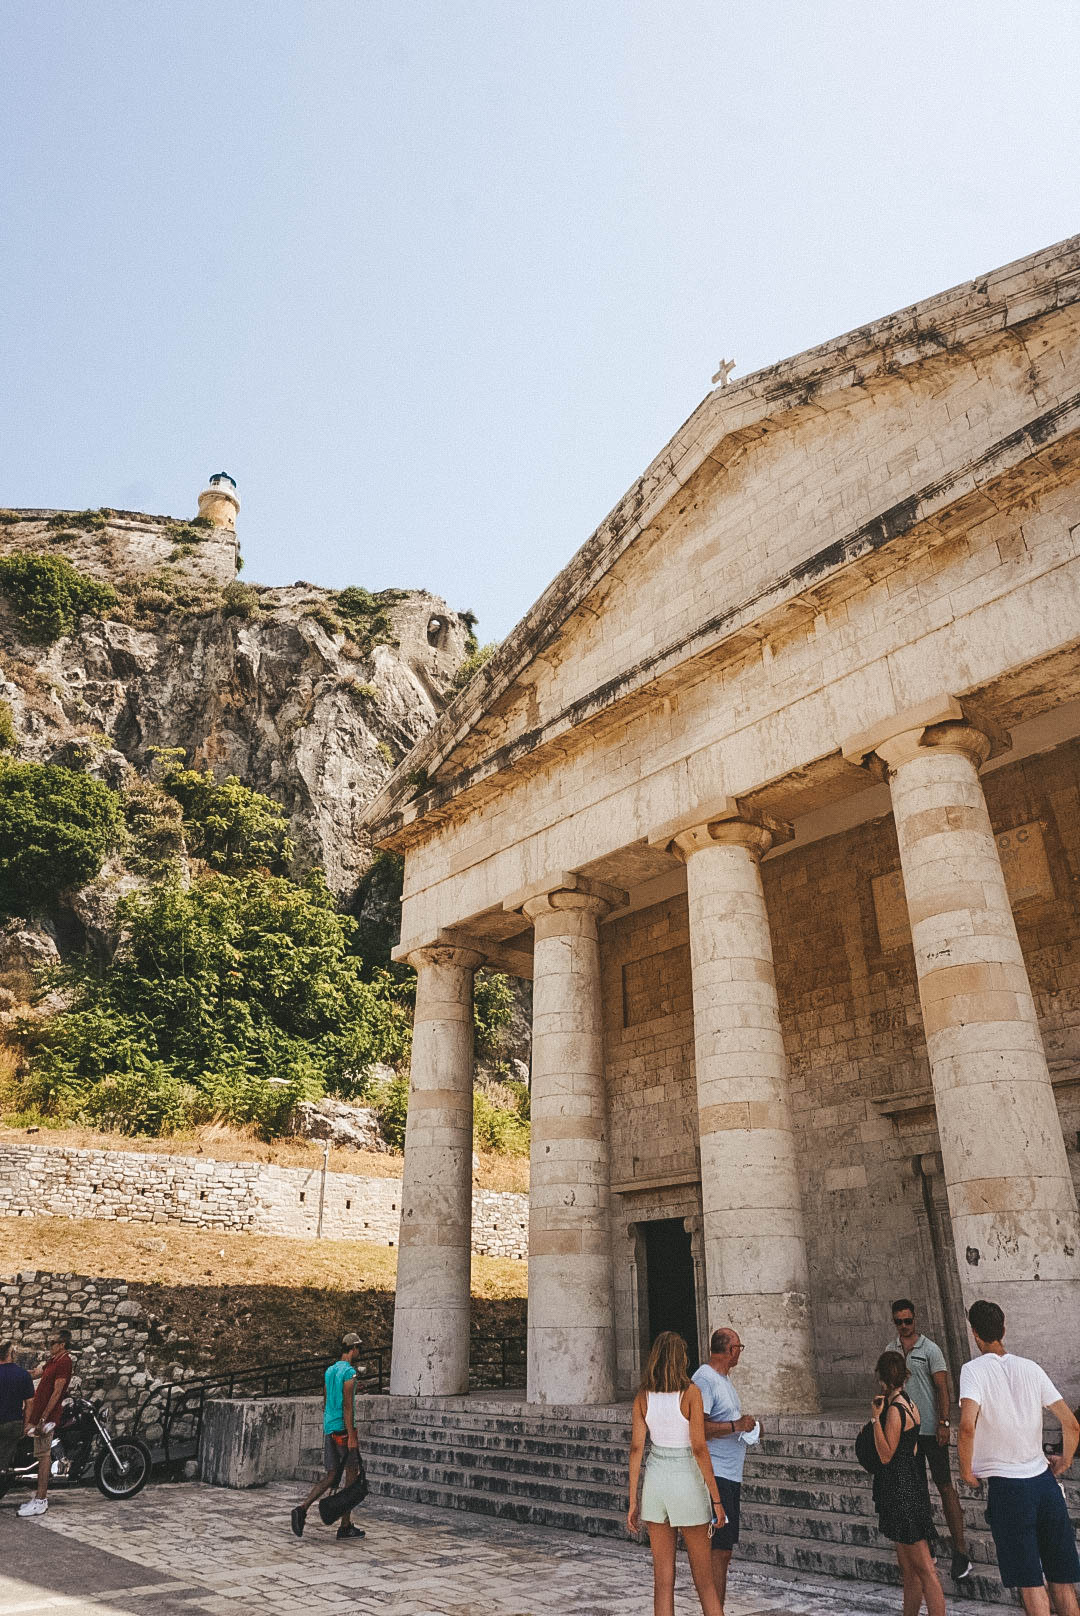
column 669, row 1269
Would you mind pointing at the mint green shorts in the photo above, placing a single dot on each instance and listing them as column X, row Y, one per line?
column 674, row 1489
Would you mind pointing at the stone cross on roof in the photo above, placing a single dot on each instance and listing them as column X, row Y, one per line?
column 726, row 367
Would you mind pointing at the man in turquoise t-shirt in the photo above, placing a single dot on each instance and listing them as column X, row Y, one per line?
column 341, row 1451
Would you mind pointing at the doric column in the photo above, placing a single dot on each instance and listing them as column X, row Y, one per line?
column 431, row 1310
column 755, row 1247
column 1010, row 1192
column 571, row 1298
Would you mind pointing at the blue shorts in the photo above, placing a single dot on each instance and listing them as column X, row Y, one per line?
column 726, row 1536
column 1033, row 1534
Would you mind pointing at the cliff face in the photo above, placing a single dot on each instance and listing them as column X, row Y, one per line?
column 307, row 694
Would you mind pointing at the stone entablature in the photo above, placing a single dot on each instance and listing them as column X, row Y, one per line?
column 236, row 1197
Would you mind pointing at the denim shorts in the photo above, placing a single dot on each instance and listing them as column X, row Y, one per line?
column 1033, row 1534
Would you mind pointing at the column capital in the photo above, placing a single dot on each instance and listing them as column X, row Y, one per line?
column 563, row 891
column 467, row 959
column 943, row 723
column 725, row 820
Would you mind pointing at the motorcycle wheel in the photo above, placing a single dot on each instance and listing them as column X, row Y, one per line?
column 130, row 1476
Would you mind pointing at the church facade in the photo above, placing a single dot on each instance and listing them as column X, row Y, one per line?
column 775, row 795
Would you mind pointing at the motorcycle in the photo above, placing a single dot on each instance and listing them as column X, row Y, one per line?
column 121, row 1464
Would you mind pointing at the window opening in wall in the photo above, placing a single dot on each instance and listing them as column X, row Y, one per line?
column 302, row 1195
column 436, row 632
column 669, row 1282
column 348, row 1205
column 202, row 1195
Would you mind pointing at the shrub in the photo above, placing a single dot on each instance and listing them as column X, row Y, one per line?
column 9, row 740
column 392, row 1110
column 215, row 989
column 324, row 617
column 493, row 1006
column 365, row 615
column 473, row 663
column 499, row 1128
column 48, row 595
column 228, row 824
column 188, row 532
column 87, row 520
column 56, row 828
column 383, row 749
column 155, row 827
column 240, row 600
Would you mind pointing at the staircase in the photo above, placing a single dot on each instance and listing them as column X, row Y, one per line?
column 806, row 1504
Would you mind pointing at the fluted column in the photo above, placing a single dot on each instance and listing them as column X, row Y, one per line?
column 755, row 1245
column 431, row 1310
column 1011, row 1196
column 571, row 1296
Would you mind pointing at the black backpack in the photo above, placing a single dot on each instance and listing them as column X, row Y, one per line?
column 333, row 1507
column 866, row 1450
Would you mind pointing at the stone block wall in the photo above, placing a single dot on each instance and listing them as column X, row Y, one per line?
column 861, row 1088
column 876, row 1215
column 109, row 1334
column 240, row 1197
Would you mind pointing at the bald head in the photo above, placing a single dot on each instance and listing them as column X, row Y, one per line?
column 725, row 1346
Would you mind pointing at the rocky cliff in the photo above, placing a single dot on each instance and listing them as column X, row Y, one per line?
column 310, row 695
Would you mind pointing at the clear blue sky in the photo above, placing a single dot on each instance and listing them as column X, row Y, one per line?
column 434, row 281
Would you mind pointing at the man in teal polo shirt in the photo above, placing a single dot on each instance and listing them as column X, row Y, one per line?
column 341, row 1450
column 928, row 1388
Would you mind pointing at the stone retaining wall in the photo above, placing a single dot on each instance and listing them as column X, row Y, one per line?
column 109, row 1335
column 241, row 1197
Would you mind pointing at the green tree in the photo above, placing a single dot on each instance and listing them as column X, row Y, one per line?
column 48, row 595
column 226, row 823
column 56, row 827
column 232, row 998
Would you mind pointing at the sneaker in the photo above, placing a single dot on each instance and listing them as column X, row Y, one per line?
column 298, row 1517
column 350, row 1531
column 961, row 1566
column 34, row 1506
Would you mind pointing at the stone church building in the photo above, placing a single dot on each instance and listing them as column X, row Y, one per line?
column 775, row 795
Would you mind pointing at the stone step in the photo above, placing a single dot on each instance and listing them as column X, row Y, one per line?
column 792, row 1511
column 790, row 1554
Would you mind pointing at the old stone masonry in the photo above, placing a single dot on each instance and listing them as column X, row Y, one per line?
column 244, row 1197
column 775, row 795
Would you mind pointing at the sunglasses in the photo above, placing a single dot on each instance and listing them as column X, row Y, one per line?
column 903, row 1318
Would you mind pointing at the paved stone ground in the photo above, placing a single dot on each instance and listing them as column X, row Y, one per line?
column 189, row 1550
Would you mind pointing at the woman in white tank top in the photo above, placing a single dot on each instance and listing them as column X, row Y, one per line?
column 679, row 1492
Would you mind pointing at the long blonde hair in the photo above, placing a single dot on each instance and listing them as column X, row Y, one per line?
column 668, row 1368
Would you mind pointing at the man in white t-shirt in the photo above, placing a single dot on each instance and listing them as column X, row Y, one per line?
column 1002, row 1398
column 724, row 1424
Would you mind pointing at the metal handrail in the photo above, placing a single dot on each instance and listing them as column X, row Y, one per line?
column 185, row 1400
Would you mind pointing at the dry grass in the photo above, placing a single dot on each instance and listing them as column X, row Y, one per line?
column 221, row 1143
column 162, row 1254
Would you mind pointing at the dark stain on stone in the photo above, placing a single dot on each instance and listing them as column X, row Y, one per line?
column 973, row 1254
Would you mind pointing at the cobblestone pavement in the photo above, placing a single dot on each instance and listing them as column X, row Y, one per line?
column 189, row 1550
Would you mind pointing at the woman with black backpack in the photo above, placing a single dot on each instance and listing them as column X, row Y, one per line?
column 901, row 1495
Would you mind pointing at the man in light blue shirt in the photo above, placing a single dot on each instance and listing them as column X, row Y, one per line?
column 724, row 1424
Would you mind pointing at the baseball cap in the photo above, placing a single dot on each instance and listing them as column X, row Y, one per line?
column 351, row 1339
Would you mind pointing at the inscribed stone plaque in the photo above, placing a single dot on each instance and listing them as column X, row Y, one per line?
column 656, row 986
column 1024, row 865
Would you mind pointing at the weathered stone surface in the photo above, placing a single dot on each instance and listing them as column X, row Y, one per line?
column 828, row 545
column 338, row 1123
column 239, row 1197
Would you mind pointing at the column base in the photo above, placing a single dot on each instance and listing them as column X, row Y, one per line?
column 431, row 1354
column 571, row 1364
